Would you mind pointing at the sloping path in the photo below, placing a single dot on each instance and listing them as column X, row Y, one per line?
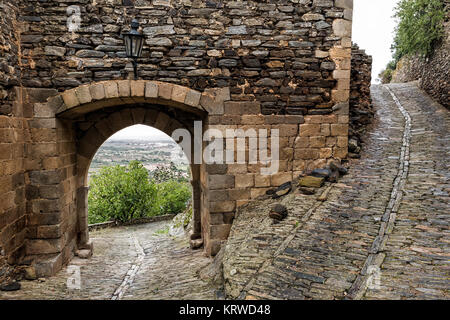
column 383, row 233
column 134, row 262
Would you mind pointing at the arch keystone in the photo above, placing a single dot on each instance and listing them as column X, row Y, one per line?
column 137, row 88
column 151, row 90
column 124, row 88
column 111, row 90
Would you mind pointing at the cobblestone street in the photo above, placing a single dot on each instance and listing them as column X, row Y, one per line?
column 168, row 268
column 383, row 232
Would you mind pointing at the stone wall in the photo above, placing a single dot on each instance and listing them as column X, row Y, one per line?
column 276, row 53
column 361, row 109
column 12, row 138
column 232, row 64
column 434, row 72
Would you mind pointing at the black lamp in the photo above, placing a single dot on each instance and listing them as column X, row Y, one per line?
column 134, row 42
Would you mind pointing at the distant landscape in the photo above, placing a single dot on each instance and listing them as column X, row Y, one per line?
column 151, row 153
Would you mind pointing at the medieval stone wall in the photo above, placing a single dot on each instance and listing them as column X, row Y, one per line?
column 245, row 64
column 12, row 141
column 276, row 53
column 361, row 109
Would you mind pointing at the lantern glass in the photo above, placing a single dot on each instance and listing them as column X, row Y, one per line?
column 134, row 41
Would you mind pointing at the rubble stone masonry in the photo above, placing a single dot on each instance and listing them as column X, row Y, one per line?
column 361, row 108
column 231, row 64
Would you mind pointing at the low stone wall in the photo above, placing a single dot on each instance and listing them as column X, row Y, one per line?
column 361, row 109
column 111, row 224
column 433, row 73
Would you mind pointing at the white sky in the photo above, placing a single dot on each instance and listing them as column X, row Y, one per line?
column 373, row 28
column 140, row 132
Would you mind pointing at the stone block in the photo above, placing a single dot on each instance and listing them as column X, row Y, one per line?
column 179, row 93
column 124, row 88
column 339, row 129
column 70, row 98
column 83, row 94
column 137, row 88
column 111, row 89
column 220, row 232
column 48, row 246
column 221, row 182
column 280, row 178
column 346, row 4
column 49, row 232
column 245, row 180
column 97, row 91
column 222, row 206
column 165, row 90
column 311, row 182
column 242, row 107
column 309, row 129
column 193, row 98
column 151, row 90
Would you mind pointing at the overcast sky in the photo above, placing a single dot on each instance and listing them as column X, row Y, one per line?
column 373, row 28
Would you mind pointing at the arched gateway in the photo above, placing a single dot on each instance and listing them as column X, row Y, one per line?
column 85, row 117
column 256, row 66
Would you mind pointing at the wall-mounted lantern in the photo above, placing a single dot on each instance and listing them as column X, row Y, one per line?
column 134, row 42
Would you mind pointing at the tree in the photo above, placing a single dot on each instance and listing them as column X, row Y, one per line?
column 121, row 194
column 420, row 27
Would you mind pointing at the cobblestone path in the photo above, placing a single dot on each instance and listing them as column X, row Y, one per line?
column 135, row 262
column 383, row 232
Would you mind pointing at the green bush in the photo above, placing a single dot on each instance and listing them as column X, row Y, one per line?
column 420, row 27
column 173, row 196
column 122, row 194
column 386, row 75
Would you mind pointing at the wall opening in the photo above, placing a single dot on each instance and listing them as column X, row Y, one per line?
column 139, row 173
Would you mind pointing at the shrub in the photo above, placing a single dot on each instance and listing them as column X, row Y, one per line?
column 173, row 196
column 121, row 194
column 420, row 27
column 385, row 76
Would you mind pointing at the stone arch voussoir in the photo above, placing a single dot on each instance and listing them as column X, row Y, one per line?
column 91, row 97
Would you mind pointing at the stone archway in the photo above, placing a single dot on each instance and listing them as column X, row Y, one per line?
column 85, row 118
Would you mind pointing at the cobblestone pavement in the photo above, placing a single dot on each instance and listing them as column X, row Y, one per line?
column 134, row 262
column 381, row 234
